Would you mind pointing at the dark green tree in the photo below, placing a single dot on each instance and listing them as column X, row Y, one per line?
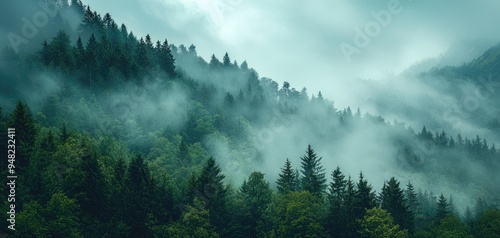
column 25, row 134
column 365, row 196
column 287, row 181
column 209, row 188
column 442, row 209
column 378, row 223
column 313, row 176
column 137, row 184
column 394, row 201
column 337, row 196
column 226, row 61
column 166, row 59
column 414, row 206
column 256, row 196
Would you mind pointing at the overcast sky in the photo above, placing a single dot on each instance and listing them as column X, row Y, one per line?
column 300, row 41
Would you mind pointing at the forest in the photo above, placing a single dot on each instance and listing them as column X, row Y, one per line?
column 118, row 135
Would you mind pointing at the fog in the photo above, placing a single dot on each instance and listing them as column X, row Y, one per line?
column 299, row 43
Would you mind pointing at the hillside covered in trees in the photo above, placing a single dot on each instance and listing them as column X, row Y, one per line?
column 118, row 135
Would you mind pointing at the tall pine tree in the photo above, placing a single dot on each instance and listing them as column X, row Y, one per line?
column 393, row 201
column 336, row 196
column 287, row 181
column 313, row 175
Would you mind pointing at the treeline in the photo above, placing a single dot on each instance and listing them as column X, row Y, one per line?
column 94, row 165
column 74, row 185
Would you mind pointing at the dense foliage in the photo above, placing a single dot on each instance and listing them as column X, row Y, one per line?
column 128, row 145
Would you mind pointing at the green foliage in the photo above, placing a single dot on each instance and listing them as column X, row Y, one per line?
column 254, row 197
column 442, row 208
column 378, row 223
column 337, row 211
column 84, row 174
column 488, row 224
column 450, row 227
column 287, row 181
column 209, row 188
column 365, row 196
column 297, row 214
column 394, row 202
column 25, row 130
column 58, row 218
column 313, row 176
column 195, row 222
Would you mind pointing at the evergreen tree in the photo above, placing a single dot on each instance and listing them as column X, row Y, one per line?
column 137, row 184
column 244, row 65
column 414, row 210
column 337, row 196
column 287, row 181
column 349, row 210
column 63, row 134
column 25, row 134
column 214, row 63
column 442, row 208
column 393, row 201
column 166, row 59
column 365, row 196
column 226, row 61
column 313, row 175
column 209, row 188
column 256, row 196
column 378, row 223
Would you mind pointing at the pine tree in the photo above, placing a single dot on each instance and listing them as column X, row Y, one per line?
column 210, row 189
column 349, row 210
column 25, row 134
column 166, row 59
column 287, row 181
column 244, row 65
column 313, row 175
column 414, row 210
column 137, row 184
column 183, row 152
column 393, row 200
column 214, row 62
column 63, row 134
column 226, row 61
column 442, row 208
column 365, row 197
column 92, row 195
column 337, row 194
column 256, row 196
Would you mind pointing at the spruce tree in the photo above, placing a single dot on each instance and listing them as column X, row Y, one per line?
column 442, row 208
column 365, row 197
column 166, row 59
column 393, row 201
column 414, row 209
column 337, row 193
column 137, row 184
column 25, row 134
column 226, row 61
column 287, row 181
column 256, row 196
column 209, row 188
column 313, row 175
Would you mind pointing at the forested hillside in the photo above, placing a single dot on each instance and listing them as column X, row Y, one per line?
column 118, row 135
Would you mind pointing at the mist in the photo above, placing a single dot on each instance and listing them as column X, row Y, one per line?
column 259, row 82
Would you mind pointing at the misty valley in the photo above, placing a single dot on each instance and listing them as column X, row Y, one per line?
column 105, row 133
